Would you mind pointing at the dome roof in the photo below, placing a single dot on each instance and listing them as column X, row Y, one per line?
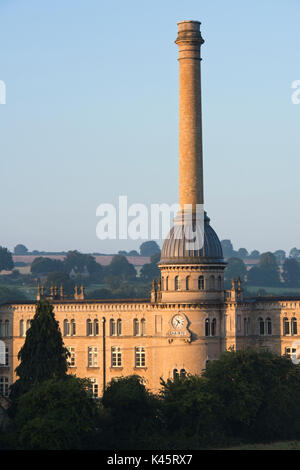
column 177, row 249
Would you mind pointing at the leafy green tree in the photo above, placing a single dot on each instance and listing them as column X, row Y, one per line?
column 291, row 272
column 120, row 267
column 133, row 410
column 235, row 268
column 57, row 414
column 6, row 261
column 149, row 248
column 269, row 267
column 42, row 265
column 295, row 253
column 78, row 262
column 20, row 250
column 43, row 355
column 151, row 271
column 280, row 256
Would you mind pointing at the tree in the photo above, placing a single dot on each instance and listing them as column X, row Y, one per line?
column 61, row 279
column 243, row 253
column 119, row 266
column 41, row 265
column 295, row 253
column 6, row 261
column 57, row 414
column 133, row 410
column 79, row 262
column 235, row 268
column 255, row 254
column 291, row 272
column 43, row 355
column 269, row 267
column 151, row 271
column 149, row 248
column 20, row 250
column 227, row 248
column 280, row 256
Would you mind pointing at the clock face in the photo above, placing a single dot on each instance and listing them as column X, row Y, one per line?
column 177, row 321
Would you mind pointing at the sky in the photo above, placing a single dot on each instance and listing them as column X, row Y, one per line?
column 91, row 113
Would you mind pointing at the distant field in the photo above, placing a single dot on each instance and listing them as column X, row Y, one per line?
column 288, row 445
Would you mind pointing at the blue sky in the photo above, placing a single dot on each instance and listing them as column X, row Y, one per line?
column 91, row 113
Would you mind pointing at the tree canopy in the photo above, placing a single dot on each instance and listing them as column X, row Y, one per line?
column 6, row 260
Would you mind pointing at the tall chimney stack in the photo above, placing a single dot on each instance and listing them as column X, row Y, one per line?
column 189, row 41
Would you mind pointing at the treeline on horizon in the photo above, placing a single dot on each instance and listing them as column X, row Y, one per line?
column 266, row 274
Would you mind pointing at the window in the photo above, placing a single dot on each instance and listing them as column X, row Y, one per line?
column 175, row 374
column 212, row 282
column 143, row 326
column 207, row 327
column 92, row 357
column 93, row 388
column 113, row 330
column 176, row 283
column 294, row 326
column 72, row 357
column 167, row 283
column 268, row 326
column 96, row 327
column 89, row 327
column 261, row 326
column 213, row 327
column 136, row 327
column 246, row 326
column 140, row 357
column 119, row 327
column 289, row 352
column 220, row 282
column 66, row 328
column 286, row 326
column 116, row 357
column 28, row 325
column 200, row 282
column 187, row 283
column 182, row 372
column 73, row 327
column 238, row 322
column 5, row 364
column 4, row 386
column 6, row 328
column 22, row 331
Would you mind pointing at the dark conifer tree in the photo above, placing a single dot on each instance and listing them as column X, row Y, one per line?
column 43, row 355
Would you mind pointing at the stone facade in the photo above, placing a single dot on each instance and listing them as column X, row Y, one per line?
column 189, row 318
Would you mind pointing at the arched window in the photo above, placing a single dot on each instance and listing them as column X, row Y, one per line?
column 113, row 329
column 143, row 326
column 212, row 282
column 286, row 326
column 176, row 283
column 294, row 326
column 136, row 327
column 182, row 372
column 207, row 327
column 89, row 327
column 261, row 326
column 22, row 331
column 220, row 282
column 200, row 282
column 268, row 326
column 73, row 327
column 66, row 328
column 167, row 283
column 246, row 326
column 96, row 327
column 119, row 327
column 213, row 327
column 187, row 283
column 175, row 374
